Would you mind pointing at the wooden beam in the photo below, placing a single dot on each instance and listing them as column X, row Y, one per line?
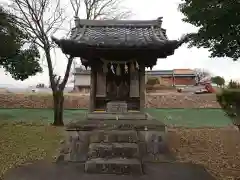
column 92, row 99
column 142, row 87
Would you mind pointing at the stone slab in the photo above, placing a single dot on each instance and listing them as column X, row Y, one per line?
column 117, row 116
column 139, row 125
column 111, row 136
column 117, row 106
column 114, row 166
column 113, row 150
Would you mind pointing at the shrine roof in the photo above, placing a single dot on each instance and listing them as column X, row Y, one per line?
column 97, row 37
column 119, row 33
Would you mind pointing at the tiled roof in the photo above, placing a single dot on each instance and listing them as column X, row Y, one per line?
column 118, row 39
column 120, row 33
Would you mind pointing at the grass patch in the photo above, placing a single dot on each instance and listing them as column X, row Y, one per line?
column 41, row 94
column 26, row 142
column 39, row 115
column 172, row 117
column 193, row 118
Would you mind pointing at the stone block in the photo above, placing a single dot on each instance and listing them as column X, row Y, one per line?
column 113, row 136
column 142, row 148
column 79, row 152
column 113, row 166
column 151, row 136
column 78, row 135
column 117, row 106
column 76, row 147
column 96, row 137
column 113, row 150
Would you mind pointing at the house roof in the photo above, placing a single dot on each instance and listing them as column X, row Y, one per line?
column 175, row 72
column 183, row 71
column 94, row 38
column 159, row 72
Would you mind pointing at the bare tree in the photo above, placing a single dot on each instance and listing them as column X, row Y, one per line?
column 101, row 9
column 41, row 19
column 201, row 74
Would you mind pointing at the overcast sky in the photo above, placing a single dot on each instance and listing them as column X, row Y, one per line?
column 183, row 57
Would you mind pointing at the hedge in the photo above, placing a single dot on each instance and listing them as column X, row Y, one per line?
column 229, row 100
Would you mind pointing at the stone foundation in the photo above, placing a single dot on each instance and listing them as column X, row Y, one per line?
column 114, row 146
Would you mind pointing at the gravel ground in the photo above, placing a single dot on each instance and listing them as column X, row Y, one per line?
column 217, row 149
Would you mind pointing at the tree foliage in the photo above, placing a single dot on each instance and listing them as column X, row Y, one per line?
column 229, row 100
column 18, row 55
column 220, row 81
column 219, row 25
column 233, row 85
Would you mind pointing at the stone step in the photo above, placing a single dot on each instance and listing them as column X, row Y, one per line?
column 117, row 116
column 113, row 150
column 113, row 166
column 111, row 136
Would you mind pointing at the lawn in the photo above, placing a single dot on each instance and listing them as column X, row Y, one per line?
column 192, row 118
column 40, row 115
column 173, row 117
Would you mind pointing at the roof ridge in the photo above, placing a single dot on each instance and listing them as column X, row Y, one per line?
column 86, row 22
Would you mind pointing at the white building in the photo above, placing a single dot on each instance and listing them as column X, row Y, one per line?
column 82, row 80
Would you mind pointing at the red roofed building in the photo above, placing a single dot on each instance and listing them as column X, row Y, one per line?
column 184, row 77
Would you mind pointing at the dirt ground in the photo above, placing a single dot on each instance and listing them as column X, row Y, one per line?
column 217, row 149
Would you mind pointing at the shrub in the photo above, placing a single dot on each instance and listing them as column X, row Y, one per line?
column 229, row 100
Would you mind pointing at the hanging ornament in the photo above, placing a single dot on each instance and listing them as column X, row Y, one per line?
column 137, row 65
column 118, row 70
column 105, row 67
column 132, row 69
column 126, row 68
column 112, row 68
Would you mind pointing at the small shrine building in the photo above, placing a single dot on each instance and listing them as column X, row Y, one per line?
column 118, row 51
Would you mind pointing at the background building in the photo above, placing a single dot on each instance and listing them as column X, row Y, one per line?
column 175, row 77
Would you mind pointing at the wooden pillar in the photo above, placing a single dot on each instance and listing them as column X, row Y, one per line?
column 92, row 99
column 142, row 87
column 101, row 84
column 134, row 84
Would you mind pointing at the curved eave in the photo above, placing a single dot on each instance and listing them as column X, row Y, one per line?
column 160, row 49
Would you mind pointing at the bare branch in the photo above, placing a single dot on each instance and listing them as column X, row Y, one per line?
column 76, row 4
column 101, row 9
column 66, row 76
column 41, row 19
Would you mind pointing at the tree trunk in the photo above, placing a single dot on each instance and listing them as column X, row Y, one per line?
column 58, row 100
